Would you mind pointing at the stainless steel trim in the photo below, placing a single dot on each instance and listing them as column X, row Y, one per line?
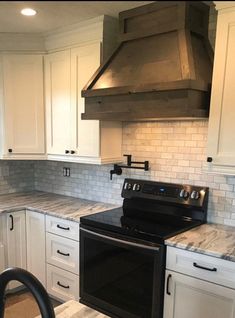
column 153, row 248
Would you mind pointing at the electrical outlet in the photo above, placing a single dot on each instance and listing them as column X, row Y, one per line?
column 66, row 172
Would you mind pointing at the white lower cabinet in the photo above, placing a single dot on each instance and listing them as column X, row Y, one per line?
column 16, row 242
column 25, row 243
column 190, row 288
column 190, row 297
column 2, row 248
column 35, row 237
column 46, row 246
column 62, row 284
column 62, row 257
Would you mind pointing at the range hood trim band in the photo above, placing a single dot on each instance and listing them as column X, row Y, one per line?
column 158, row 87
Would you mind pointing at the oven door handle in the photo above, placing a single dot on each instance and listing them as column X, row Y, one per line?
column 153, row 248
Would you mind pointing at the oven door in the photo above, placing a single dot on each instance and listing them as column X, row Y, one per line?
column 119, row 277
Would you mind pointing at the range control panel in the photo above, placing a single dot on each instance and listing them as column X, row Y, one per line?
column 167, row 192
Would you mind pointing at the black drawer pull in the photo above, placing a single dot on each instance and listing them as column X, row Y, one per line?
column 167, row 284
column 206, row 268
column 63, row 228
column 12, row 222
column 209, row 159
column 61, row 253
column 10, row 150
column 61, row 285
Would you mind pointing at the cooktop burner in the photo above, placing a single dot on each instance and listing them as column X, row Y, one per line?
column 153, row 211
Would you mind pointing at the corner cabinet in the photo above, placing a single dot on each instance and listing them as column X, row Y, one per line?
column 21, row 107
column 221, row 146
column 68, row 137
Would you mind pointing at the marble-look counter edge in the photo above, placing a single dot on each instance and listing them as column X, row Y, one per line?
column 55, row 214
column 209, row 239
column 202, row 251
column 87, row 207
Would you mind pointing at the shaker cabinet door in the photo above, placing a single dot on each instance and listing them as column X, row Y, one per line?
column 58, row 106
column 221, row 146
column 36, row 260
column 23, row 104
column 186, row 297
column 84, row 62
column 16, row 242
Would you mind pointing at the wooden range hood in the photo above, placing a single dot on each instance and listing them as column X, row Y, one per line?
column 162, row 68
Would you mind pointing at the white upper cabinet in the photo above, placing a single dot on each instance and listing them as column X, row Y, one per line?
column 84, row 62
column 92, row 141
column 72, row 55
column 221, row 146
column 22, row 106
column 58, row 106
column 69, row 138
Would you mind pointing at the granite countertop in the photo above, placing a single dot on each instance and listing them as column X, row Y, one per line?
column 53, row 204
column 73, row 309
column 210, row 239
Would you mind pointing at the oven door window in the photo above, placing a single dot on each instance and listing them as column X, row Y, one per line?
column 120, row 277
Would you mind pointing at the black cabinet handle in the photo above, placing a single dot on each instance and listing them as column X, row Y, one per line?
column 167, row 284
column 10, row 150
column 72, row 152
column 214, row 269
column 63, row 228
column 61, row 253
column 12, row 222
column 61, row 285
column 66, row 151
column 209, row 159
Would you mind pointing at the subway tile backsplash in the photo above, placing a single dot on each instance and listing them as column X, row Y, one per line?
column 176, row 151
column 16, row 176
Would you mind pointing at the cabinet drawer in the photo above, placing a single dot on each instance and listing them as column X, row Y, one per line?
column 62, row 227
column 62, row 284
column 202, row 266
column 62, row 252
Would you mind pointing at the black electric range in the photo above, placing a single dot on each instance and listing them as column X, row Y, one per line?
column 122, row 262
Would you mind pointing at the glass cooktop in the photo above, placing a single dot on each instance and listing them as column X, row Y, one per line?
column 119, row 221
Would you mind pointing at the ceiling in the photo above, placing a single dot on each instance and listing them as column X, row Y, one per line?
column 55, row 14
